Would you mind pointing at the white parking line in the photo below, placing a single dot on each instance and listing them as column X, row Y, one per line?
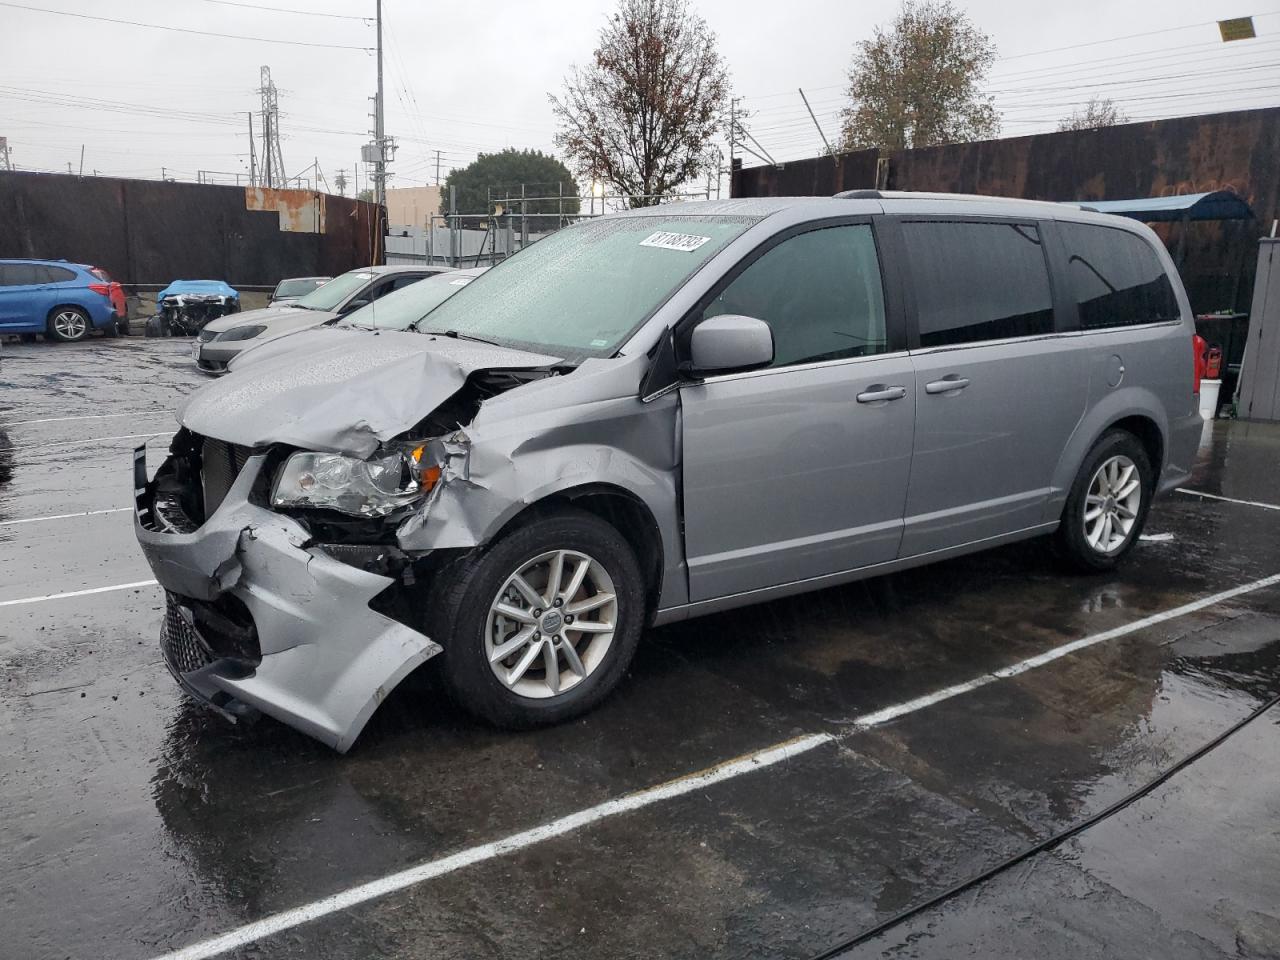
column 79, row 593
column 761, row 759
column 1214, row 496
column 72, row 443
column 97, row 416
column 62, row 516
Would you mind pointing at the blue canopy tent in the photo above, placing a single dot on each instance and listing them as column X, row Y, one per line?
column 1216, row 205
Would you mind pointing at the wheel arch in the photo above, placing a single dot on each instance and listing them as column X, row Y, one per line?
column 1137, row 410
column 620, row 508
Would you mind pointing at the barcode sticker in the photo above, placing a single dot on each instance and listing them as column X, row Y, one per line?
column 685, row 242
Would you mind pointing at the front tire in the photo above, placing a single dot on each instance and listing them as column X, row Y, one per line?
column 540, row 626
column 1108, row 504
column 69, row 324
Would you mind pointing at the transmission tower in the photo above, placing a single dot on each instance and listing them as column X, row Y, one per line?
column 5, row 163
column 272, row 159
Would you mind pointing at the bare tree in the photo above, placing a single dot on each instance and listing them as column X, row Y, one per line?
column 640, row 118
column 1098, row 112
column 918, row 83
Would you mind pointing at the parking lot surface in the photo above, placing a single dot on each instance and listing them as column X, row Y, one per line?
column 769, row 782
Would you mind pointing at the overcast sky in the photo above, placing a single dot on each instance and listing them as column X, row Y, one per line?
column 468, row 77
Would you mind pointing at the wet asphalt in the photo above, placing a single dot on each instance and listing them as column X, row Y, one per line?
column 133, row 823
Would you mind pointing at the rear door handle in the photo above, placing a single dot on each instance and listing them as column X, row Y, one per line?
column 879, row 392
column 947, row 384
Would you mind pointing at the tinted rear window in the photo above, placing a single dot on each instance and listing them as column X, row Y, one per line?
column 63, row 275
column 1116, row 278
column 978, row 281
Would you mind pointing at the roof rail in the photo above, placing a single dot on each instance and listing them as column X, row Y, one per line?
column 859, row 195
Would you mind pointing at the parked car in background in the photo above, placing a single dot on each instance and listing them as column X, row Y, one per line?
column 287, row 291
column 399, row 310
column 185, row 307
column 223, row 339
column 64, row 301
column 657, row 415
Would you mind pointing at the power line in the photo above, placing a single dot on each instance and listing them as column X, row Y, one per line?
column 1131, row 36
column 305, row 13
column 203, row 33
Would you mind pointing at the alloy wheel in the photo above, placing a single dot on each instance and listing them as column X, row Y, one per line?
column 1112, row 503
column 69, row 324
column 552, row 624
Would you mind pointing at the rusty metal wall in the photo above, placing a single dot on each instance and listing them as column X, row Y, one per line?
column 1237, row 151
column 149, row 232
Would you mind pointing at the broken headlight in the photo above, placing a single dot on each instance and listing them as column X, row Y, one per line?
column 361, row 488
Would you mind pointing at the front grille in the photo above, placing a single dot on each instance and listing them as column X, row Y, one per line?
column 221, row 463
column 179, row 644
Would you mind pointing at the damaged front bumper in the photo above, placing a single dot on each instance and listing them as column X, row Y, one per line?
column 259, row 620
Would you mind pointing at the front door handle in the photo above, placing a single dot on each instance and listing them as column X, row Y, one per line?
column 948, row 384
column 879, row 392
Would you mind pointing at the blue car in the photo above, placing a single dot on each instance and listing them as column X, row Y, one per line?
column 64, row 301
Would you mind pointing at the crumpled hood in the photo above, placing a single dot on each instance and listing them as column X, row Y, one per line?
column 339, row 390
column 262, row 315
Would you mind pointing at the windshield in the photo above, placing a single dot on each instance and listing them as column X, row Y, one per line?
column 401, row 308
column 582, row 291
column 296, row 288
column 335, row 291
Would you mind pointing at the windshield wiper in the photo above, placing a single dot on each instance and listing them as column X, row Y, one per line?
column 452, row 334
column 466, row 336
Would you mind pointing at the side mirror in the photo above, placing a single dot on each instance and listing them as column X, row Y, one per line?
column 730, row 343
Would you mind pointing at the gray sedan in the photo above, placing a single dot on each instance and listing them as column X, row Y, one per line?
column 227, row 337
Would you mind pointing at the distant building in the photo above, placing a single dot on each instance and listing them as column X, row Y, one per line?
column 412, row 206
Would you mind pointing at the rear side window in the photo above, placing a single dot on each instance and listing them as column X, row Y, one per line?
column 819, row 292
column 978, row 281
column 1116, row 278
column 59, row 274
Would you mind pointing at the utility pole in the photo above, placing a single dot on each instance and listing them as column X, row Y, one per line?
column 69, row 168
column 733, row 130
column 381, row 150
column 437, row 168
column 340, row 181
column 82, row 160
column 253, row 155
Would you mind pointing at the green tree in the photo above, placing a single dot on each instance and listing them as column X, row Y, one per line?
column 919, row 83
column 642, row 116
column 1098, row 112
column 495, row 177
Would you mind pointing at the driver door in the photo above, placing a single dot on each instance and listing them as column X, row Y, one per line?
column 800, row 469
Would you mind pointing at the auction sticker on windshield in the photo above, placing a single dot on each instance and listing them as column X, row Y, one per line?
column 686, row 242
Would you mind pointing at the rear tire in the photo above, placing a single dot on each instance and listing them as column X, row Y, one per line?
column 588, row 661
column 69, row 324
column 1107, row 506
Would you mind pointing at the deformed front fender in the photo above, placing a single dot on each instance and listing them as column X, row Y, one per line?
column 492, row 472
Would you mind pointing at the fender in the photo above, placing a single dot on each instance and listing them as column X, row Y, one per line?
column 1114, row 406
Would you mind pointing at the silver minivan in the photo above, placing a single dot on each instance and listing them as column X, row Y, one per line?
column 655, row 415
